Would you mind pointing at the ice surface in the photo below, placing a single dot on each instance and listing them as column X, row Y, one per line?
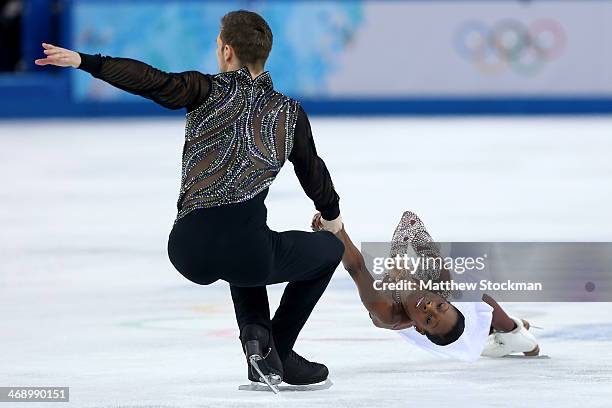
column 89, row 300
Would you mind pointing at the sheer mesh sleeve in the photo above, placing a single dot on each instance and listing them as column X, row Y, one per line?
column 311, row 170
column 171, row 90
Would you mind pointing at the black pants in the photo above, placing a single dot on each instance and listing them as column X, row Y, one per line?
column 233, row 243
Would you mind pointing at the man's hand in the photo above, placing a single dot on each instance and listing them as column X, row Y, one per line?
column 321, row 224
column 352, row 259
column 60, row 57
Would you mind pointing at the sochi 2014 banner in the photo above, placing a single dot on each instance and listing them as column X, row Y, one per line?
column 371, row 49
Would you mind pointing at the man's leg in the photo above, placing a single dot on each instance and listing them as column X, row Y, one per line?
column 251, row 306
column 307, row 260
column 253, row 317
column 297, row 303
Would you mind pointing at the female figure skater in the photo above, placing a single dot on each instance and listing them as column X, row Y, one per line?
column 464, row 330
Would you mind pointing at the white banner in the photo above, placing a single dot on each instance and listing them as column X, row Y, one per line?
column 478, row 48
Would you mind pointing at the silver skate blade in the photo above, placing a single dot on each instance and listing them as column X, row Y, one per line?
column 253, row 360
column 254, row 386
column 539, row 357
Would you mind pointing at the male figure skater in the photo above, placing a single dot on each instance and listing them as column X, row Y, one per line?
column 238, row 135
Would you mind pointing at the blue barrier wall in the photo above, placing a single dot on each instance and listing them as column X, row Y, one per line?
column 338, row 57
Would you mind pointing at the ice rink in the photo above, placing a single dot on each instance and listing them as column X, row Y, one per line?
column 89, row 300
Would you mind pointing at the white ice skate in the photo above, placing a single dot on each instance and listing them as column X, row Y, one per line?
column 519, row 340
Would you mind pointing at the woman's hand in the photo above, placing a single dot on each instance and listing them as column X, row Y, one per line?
column 401, row 320
column 398, row 321
column 316, row 223
column 59, row 57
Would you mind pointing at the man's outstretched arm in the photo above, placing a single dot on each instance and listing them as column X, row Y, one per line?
column 171, row 90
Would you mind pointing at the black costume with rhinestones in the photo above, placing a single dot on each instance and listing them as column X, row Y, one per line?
column 235, row 142
column 239, row 133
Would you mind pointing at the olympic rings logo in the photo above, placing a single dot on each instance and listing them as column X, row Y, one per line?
column 511, row 44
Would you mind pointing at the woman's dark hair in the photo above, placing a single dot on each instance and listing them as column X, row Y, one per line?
column 249, row 35
column 452, row 335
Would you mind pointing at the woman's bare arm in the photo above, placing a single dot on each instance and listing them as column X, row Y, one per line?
column 383, row 311
column 500, row 321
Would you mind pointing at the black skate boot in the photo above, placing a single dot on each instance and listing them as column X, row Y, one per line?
column 299, row 371
column 263, row 362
